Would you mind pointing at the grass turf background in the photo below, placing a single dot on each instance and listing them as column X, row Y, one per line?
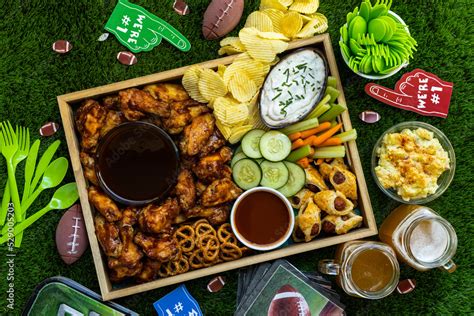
column 31, row 76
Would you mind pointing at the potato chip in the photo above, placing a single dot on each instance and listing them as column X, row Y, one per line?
column 238, row 133
column 273, row 36
column 221, row 70
column 317, row 24
column 233, row 41
column 228, row 50
column 272, row 4
column 254, row 69
column 190, row 82
column 260, row 48
column 286, row 3
column 242, row 87
column 305, row 6
column 260, row 21
column 291, row 24
column 211, row 85
column 276, row 16
column 226, row 131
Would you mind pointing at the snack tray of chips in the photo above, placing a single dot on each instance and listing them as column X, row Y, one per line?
column 68, row 103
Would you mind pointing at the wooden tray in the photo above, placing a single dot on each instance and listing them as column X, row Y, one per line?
column 69, row 102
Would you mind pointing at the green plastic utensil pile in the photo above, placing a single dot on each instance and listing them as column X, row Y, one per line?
column 373, row 41
column 15, row 147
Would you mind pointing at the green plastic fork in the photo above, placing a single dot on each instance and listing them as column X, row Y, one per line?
column 9, row 144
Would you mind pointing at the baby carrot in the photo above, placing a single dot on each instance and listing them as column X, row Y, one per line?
column 294, row 136
column 324, row 126
column 326, row 135
column 304, row 163
column 309, row 140
column 297, row 144
column 333, row 141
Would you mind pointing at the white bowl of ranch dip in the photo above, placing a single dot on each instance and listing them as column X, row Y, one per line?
column 293, row 87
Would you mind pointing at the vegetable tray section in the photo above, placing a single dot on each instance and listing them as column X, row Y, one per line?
column 70, row 102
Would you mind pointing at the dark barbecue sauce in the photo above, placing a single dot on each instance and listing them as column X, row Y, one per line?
column 137, row 162
column 262, row 218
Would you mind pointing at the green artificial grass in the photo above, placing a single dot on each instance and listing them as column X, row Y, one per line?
column 31, row 76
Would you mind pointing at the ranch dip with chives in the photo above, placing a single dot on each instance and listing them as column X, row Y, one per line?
column 292, row 88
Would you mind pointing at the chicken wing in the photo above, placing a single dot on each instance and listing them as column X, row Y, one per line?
column 131, row 255
column 134, row 103
column 216, row 215
column 167, row 92
column 196, row 134
column 88, row 163
column 90, row 118
column 111, row 102
column 214, row 142
column 104, row 205
column 149, row 271
column 158, row 218
column 213, row 167
column 113, row 119
column 163, row 249
column 219, row 192
column 108, row 235
column 185, row 189
column 181, row 114
column 120, row 273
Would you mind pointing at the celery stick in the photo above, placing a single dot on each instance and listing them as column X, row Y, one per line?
column 347, row 136
column 330, row 115
column 299, row 153
column 323, row 109
column 333, row 92
column 330, row 152
column 300, row 126
column 318, row 107
column 332, row 82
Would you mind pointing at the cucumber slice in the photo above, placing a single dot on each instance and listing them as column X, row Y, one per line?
column 299, row 153
column 274, row 174
column 300, row 126
column 237, row 157
column 296, row 180
column 275, row 146
column 251, row 143
column 330, row 115
column 247, row 174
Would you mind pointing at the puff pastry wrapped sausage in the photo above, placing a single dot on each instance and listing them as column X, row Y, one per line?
column 300, row 198
column 333, row 202
column 341, row 224
column 344, row 181
column 326, row 168
column 308, row 222
column 314, row 180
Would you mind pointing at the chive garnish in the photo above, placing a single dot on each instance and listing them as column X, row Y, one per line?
column 276, row 97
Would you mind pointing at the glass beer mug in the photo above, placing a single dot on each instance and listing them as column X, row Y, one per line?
column 420, row 237
column 366, row 269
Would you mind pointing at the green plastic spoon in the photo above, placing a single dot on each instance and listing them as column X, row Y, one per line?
column 63, row 198
column 52, row 177
column 43, row 164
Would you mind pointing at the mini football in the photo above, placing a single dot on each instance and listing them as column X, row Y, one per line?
column 49, row 129
column 127, row 58
column 71, row 235
column 62, row 46
column 221, row 17
column 288, row 301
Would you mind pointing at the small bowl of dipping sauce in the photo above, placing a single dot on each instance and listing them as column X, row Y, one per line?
column 262, row 219
column 137, row 163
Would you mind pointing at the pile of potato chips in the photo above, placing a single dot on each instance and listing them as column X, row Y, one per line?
column 281, row 20
column 232, row 91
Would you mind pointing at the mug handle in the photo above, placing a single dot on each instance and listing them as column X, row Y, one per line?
column 450, row 266
column 329, row 266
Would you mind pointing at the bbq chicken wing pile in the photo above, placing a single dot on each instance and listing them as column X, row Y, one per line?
column 138, row 242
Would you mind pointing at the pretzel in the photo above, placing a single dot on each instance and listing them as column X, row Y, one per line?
column 185, row 236
column 200, row 221
column 163, row 271
column 178, row 266
column 204, row 228
column 210, row 247
column 230, row 251
column 196, row 259
column 225, row 234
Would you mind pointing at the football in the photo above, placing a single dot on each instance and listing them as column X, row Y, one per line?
column 71, row 235
column 49, row 129
column 288, row 301
column 127, row 58
column 62, row 46
column 221, row 17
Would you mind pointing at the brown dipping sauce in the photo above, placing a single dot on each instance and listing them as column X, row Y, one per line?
column 262, row 218
column 137, row 163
